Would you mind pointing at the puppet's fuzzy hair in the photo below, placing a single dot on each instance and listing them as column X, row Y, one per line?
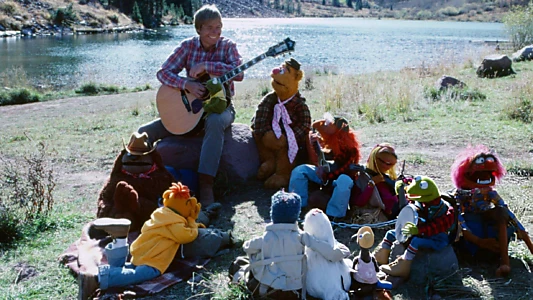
column 343, row 143
column 465, row 158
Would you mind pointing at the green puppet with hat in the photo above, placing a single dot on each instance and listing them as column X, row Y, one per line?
column 425, row 223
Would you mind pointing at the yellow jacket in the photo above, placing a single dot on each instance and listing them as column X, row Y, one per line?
column 160, row 238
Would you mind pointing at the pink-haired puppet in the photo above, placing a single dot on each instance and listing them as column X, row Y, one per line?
column 485, row 220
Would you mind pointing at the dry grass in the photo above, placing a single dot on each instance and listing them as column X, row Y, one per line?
column 86, row 135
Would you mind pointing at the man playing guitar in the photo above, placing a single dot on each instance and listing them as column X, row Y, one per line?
column 215, row 55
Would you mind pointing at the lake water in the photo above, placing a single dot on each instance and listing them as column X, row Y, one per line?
column 343, row 45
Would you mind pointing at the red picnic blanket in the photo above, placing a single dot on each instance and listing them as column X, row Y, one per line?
column 89, row 249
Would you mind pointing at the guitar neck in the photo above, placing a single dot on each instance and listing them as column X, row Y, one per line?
column 224, row 78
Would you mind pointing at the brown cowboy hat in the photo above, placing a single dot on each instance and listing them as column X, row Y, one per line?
column 139, row 144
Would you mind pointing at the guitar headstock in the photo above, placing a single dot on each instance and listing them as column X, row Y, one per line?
column 287, row 45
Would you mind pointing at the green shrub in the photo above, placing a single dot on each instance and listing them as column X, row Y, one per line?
column 432, row 93
column 110, row 89
column 113, row 18
column 26, row 194
column 449, row 11
column 452, row 93
column 488, row 8
column 142, row 88
column 263, row 91
column 10, row 229
column 8, row 8
column 28, row 184
column 424, row 15
column 90, row 88
column 522, row 110
column 19, row 96
column 65, row 15
column 519, row 24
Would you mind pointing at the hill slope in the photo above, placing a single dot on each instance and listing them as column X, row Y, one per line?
column 54, row 16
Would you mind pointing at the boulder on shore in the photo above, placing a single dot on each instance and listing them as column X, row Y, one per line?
column 446, row 82
column 495, row 66
column 523, row 54
column 239, row 161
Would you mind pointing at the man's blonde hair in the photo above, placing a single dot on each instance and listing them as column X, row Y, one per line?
column 206, row 13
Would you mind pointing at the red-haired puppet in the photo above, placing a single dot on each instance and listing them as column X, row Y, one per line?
column 484, row 218
column 338, row 143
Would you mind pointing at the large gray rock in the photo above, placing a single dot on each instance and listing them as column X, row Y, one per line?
column 448, row 81
column 525, row 53
column 239, row 161
column 495, row 66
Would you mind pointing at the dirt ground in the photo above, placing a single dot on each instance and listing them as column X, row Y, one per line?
column 246, row 207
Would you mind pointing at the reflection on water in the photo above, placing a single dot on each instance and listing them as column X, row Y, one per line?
column 350, row 46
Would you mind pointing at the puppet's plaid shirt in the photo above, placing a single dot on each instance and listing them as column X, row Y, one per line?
column 298, row 111
column 439, row 217
column 221, row 59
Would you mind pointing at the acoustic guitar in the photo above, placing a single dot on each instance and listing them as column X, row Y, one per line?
column 180, row 111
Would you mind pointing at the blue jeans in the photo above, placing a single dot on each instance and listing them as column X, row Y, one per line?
column 338, row 204
column 213, row 142
column 127, row 274
column 435, row 242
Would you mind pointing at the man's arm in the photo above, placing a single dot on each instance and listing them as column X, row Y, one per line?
column 232, row 59
column 175, row 63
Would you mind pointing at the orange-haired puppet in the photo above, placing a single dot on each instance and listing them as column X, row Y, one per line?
column 171, row 230
column 485, row 219
column 335, row 148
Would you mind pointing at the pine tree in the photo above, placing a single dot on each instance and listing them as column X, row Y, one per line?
column 136, row 13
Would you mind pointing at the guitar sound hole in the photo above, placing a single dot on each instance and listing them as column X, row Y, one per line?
column 196, row 106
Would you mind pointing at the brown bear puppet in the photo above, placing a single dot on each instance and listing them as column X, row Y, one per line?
column 136, row 183
column 281, row 125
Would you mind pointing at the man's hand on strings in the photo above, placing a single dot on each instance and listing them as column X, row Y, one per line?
column 197, row 89
column 197, row 70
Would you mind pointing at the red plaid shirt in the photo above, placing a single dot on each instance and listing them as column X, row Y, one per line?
column 220, row 60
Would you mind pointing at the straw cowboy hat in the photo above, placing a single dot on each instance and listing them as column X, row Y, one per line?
column 139, row 144
column 365, row 237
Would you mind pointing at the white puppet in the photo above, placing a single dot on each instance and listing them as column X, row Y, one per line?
column 328, row 280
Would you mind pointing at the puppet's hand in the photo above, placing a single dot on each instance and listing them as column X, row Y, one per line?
column 192, row 222
column 313, row 137
column 410, row 229
column 195, row 211
column 398, row 186
column 200, row 225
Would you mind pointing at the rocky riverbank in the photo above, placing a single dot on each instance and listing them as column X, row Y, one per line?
column 43, row 17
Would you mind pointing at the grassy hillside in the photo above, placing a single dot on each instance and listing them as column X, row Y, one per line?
column 41, row 15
